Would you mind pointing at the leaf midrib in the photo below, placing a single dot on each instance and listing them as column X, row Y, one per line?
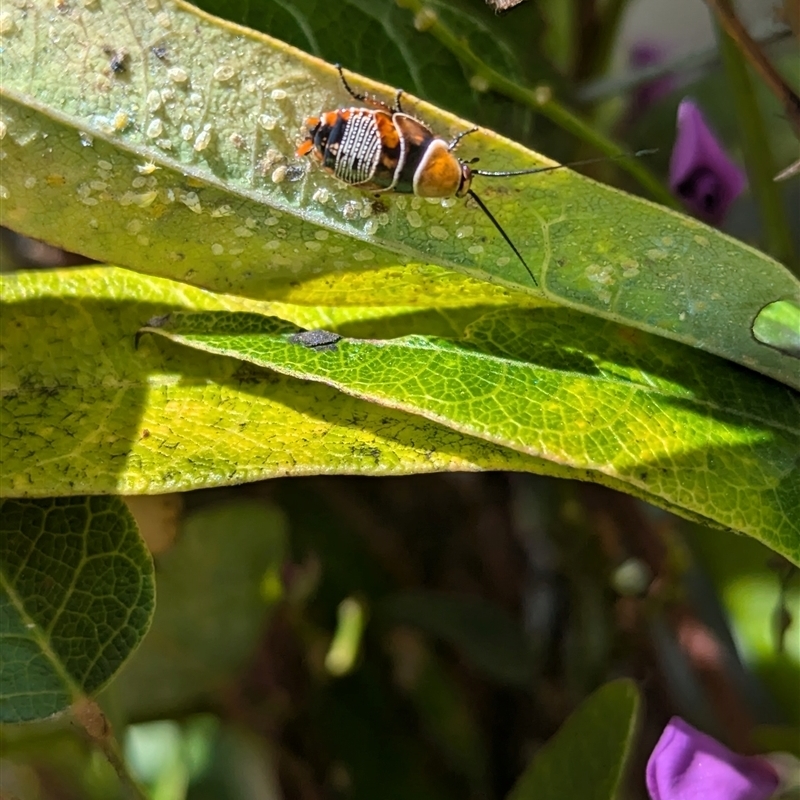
column 415, row 342
column 41, row 640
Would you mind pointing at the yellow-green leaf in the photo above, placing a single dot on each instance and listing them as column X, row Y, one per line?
column 84, row 410
column 700, row 433
column 163, row 139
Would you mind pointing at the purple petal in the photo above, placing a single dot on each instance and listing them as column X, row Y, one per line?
column 700, row 172
column 689, row 765
column 645, row 54
column 648, row 54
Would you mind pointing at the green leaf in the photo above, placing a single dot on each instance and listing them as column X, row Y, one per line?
column 76, row 598
column 687, row 428
column 215, row 588
column 85, row 411
column 217, row 109
column 778, row 325
column 587, row 757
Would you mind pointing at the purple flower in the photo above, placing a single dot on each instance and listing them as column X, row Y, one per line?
column 700, row 171
column 689, row 765
column 648, row 54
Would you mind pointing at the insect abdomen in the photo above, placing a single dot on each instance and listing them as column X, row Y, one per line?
column 350, row 145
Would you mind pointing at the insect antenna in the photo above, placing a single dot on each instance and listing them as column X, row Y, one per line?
column 535, row 170
column 496, row 224
column 512, row 173
column 459, row 136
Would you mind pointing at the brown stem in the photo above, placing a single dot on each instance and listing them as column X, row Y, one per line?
column 788, row 98
column 88, row 714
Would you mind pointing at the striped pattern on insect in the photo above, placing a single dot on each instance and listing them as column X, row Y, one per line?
column 383, row 149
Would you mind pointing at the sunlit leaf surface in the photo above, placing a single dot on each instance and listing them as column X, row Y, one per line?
column 85, row 410
column 687, row 427
column 159, row 138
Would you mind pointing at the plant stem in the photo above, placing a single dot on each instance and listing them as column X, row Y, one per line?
column 94, row 723
column 732, row 25
column 539, row 99
column 760, row 163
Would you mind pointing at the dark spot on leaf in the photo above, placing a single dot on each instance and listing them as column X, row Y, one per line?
column 295, row 173
column 316, row 340
column 158, row 322
column 154, row 322
column 118, row 60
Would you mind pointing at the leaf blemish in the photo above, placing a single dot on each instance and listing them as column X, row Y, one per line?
column 321, row 196
column 316, row 339
column 155, row 128
column 203, row 139
column 350, row 210
column 177, row 75
column 224, row 73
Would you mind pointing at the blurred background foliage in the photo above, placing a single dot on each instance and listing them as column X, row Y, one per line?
column 423, row 637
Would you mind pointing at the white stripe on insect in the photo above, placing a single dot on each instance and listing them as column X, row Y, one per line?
column 360, row 148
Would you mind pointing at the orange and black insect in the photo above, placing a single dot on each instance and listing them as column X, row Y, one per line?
column 384, row 149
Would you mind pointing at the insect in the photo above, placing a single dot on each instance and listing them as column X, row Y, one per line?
column 384, row 149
